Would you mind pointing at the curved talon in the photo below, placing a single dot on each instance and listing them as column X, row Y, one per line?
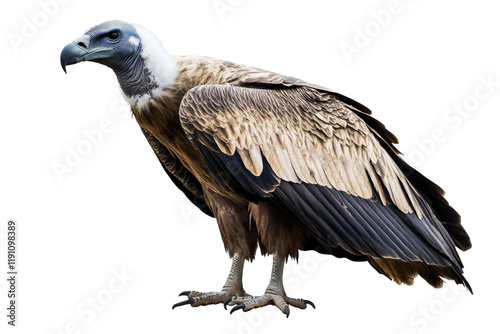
column 237, row 307
column 287, row 311
column 189, row 301
column 308, row 302
column 227, row 301
column 185, row 293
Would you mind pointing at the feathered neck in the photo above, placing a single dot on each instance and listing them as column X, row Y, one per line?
column 151, row 70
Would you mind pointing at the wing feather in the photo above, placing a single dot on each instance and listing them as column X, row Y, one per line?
column 180, row 175
column 309, row 153
column 268, row 129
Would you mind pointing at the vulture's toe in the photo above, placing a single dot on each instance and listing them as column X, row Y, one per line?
column 280, row 300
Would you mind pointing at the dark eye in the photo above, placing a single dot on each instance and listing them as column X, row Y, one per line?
column 113, row 35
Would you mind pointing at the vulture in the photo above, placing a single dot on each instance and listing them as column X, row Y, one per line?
column 282, row 164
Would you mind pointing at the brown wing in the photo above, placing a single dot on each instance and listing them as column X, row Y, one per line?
column 306, row 136
column 263, row 79
column 179, row 174
column 309, row 153
column 433, row 194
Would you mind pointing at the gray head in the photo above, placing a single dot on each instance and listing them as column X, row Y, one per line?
column 142, row 66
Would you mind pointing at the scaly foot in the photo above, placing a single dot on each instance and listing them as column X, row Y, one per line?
column 196, row 298
column 283, row 302
column 274, row 295
column 232, row 288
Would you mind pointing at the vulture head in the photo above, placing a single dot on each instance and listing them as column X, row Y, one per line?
column 137, row 57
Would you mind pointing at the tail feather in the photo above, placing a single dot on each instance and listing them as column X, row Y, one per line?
column 405, row 272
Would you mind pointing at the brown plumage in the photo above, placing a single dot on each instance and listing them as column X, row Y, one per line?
column 294, row 166
column 307, row 135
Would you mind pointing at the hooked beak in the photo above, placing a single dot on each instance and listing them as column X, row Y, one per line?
column 79, row 50
column 75, row 51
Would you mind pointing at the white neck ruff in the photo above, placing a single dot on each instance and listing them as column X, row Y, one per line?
column 161, row 65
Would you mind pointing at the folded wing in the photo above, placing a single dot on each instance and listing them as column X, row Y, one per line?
column 308, row 152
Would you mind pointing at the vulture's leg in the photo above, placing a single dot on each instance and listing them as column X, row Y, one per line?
column 232, row 288
column 274, row 295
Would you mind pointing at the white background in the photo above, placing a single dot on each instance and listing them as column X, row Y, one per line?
column 118, row 211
